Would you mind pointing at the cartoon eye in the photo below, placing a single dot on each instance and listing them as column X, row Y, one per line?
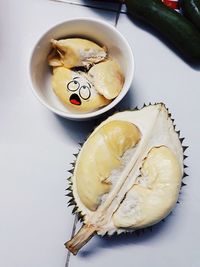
column 84, row 92
column 73, row 85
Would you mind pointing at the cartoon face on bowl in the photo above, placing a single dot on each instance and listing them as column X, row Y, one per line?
column 81, row 90
column 76, row 91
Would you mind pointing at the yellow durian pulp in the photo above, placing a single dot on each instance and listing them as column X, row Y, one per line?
column 156, row 191
column 75, row 52
column 102, row 154
column 107, row 78
column 62, row 78
column 100, row 77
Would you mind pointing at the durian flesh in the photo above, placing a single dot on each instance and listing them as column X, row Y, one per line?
column 107, row 78
column 84, row 77
column 75, row 91
column 128, row 173
column 103, row 153
column 75, row 52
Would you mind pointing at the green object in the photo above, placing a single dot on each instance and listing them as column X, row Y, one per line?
column 191, row 9
column 173, row 26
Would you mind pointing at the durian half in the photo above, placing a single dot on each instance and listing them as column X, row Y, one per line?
column 128, row 173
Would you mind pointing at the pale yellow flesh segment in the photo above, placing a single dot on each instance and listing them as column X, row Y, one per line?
column 61, row 77
column 75, row 52
column 107, row 78
column 99, row 156
column 149, row 202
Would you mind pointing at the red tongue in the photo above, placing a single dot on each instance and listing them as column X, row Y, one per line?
column 74, row 101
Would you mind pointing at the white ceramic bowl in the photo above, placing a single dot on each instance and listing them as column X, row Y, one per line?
column 93, row 29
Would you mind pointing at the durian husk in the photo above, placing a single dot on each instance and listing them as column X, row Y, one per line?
column 87, row 231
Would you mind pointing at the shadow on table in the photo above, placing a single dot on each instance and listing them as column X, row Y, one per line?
column 195, row 64
column 125, row 239
column 109, row 5
column 107, row 10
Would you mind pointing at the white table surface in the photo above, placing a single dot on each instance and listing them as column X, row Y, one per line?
column 36, row 148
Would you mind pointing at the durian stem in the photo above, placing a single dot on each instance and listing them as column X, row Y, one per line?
column 81, row 238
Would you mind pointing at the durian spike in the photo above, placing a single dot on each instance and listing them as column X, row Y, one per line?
column 81, row 238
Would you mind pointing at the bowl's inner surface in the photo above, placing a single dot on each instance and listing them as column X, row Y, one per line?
column 92, row 30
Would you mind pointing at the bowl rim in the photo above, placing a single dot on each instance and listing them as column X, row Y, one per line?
column 93, row 114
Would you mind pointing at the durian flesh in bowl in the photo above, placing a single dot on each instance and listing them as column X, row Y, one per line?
column 128, row 174
column 98, row 31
